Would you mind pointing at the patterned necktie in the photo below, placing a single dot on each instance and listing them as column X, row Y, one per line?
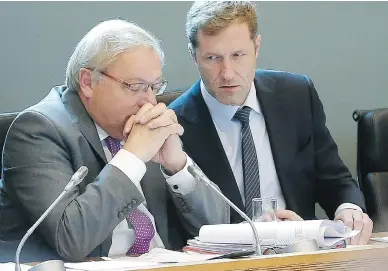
column 249, row 160
column 142, row 224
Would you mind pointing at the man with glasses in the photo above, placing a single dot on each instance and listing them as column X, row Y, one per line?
column 106, row 118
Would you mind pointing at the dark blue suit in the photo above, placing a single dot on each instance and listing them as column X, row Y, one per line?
column 305, row 155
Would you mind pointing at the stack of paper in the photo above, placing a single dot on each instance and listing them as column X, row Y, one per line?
column 227, row 238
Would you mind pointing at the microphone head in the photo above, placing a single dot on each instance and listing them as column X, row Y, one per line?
column 80, row 174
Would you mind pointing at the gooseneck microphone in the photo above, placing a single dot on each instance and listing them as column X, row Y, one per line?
column 200, row 176
column 77, row 177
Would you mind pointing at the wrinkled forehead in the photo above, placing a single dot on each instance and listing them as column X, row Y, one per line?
column 233, row 38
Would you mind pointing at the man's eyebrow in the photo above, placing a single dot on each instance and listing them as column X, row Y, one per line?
column 141, row 80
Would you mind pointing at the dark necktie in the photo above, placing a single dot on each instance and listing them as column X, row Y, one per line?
column 142, row 224
column 249, row 160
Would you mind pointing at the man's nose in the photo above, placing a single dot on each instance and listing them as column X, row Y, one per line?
column 147, row 97
column 227, row 70
column 150, row 96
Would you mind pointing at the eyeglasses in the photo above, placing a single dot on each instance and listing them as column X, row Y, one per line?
column 157, row 88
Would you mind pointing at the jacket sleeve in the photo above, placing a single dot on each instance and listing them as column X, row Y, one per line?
column 38, row 165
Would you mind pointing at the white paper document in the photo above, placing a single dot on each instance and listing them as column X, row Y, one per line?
column 161, row 255
column 156, row 257
column 11, row 267
column 327, row 233
column 113, row 265
column 380, row 239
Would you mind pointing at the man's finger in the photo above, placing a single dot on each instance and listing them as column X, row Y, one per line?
column 267, row 217
column 152, row 113
column 346, row 216
column 357, row 220
column 173, row 129
column 128, row 126
column 142, row 111
column 164, row 120
column 287, row 215
column 172, row 115
column 366, row 230
column 357, row 225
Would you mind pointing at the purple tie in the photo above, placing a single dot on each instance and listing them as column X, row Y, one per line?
column 113, row 145
column 142, row 224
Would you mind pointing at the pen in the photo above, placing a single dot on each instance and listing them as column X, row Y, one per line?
column 234, row 255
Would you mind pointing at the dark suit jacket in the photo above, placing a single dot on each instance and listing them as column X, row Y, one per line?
column 45, row 145
column 305, row 155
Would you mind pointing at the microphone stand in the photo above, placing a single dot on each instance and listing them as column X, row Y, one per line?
column 200, row 176
column 54, row 265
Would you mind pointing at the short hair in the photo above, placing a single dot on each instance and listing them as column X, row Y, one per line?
column 213, row 16
column 102, row 45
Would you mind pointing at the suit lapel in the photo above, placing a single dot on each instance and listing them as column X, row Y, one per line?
column 82, row 120
column 279, row 124
column 203, row 145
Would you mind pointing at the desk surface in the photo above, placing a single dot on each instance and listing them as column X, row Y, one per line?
column 372, row 257
column 375, row 258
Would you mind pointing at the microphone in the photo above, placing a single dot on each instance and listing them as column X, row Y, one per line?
column 200, row 176
column 77, row 177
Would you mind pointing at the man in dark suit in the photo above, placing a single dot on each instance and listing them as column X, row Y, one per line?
column 107, row 119
column 260, row 133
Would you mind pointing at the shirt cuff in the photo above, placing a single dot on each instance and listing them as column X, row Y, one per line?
column 347, row 206
column 181, row 182
column 130, row 165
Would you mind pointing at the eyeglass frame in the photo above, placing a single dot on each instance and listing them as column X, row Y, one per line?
column 128, row 85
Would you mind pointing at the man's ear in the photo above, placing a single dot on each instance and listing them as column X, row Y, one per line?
column 85, row 82
column 257, row 45
column 192, row 52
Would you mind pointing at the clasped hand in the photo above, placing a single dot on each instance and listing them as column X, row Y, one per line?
column 153, row 134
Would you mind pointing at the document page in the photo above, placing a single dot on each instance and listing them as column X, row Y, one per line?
column 325, row 232
column 11, row 267
column 116, row 265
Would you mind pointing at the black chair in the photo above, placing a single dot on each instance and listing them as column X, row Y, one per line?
column 372, row 163
column 5, row 121
column 168, row 97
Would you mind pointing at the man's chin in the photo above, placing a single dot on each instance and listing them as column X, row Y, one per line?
column 230, row 100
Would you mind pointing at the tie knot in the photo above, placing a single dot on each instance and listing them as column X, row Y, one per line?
column 113, row 144
column 243, row 115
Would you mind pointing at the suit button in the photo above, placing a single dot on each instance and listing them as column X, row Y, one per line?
column 121, row 215
column 133, row 203
column 126, row 210
column 129, row 206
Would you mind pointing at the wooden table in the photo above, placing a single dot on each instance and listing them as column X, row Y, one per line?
column 371, row 257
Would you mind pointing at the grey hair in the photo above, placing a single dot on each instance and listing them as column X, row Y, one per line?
column 216, row 15
column 102, row 45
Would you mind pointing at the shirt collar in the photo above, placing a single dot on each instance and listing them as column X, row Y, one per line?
column 101, row 133
column 222, row 114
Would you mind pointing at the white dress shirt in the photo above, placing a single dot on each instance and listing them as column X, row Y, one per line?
column 229, row 131
column 124, row 237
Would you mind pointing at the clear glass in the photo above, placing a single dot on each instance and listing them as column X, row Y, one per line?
column 157, row 88
column 263, row 209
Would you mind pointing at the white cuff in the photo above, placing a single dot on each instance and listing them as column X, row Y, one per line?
column 347, row 206
column 130, row 165
column 181, row 182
